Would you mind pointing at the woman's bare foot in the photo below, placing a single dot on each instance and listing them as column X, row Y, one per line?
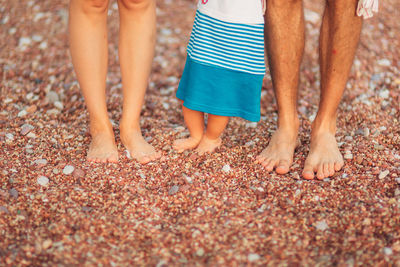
column 324, row 157
column 138, row 148
column 279, row 153
column 103, row 148
column 208, row 145
column 183, row 144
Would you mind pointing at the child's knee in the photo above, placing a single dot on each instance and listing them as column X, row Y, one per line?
column 94, row 6
column 135, row 5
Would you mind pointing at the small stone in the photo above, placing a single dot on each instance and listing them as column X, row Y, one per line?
column 253, row 257
column 24, row 43
column 251, row 125
column 173, row 190
column 40, row 162
column 348, row 156
column 68, row 169
column 31, row 135
column 56, row 171
column 200, row 252
column 226, row 168
column 13, row 192
column 384, row 94
column 359, row 159
column 128, row 154
column 47, row 244
column 22, row 113
column 322, row 225
column 387, row 251
column 10, row 136
column 383, row 174
column 52, row 97
column 4, row 209
column 31, row 109
column 384, row 62
column 188, row 179
column 59, row 105
column 78, row 173
column 311, row 16
column 26, row 128
column 366, row 132
column 397, row 180
column 250, row 143
column 43, row 180
column 53, row 111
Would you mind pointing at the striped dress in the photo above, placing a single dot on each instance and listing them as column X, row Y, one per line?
column 225, row 64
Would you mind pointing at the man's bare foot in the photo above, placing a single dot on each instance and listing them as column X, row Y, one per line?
column 324, row 157
column 279, row 152
column 138, row 148
column 207, row 145
column 181, row 145
column 102, row 148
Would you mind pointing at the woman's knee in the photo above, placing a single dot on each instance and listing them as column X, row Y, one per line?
column 94, row 6
column 135, row 4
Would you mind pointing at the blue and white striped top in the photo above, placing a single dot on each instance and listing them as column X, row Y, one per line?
column 234, row 46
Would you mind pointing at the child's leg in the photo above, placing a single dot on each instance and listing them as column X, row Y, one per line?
column 212, row 138
column 136, row 51
column 88, row 45
column 195, row 122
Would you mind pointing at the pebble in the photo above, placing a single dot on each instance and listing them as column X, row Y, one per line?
column 52, row 96
column 384, row 62
column 59, row 105
column 387, row 251
column 42, row 180
column 4, row 209
column 311, row 16
column 40, row 162
column 226, row 168
column 53, row 111
column 173, row 190
column 78, row 173
column 397, row 180
column 348, row 156
column 188, row 179
column 24, row 43
column 31, row 109
column 13, row 192
column 251, row 125
column 322, row 225
column 253, row 257
column 383, row 174
column 22, row 113
column 47, row 244
column 128, row 154
column 31, row 135
column 10, row 136
column 68, row 170
column 200, row 252
column 384, row 94
column 26, row 128
column 359, row 159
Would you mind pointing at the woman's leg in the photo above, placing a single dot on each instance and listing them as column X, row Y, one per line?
column 195, row 123
column 88, row 44
column 212, row 138
column 136, row 51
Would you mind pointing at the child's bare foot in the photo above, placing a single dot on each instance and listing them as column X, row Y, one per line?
column 324, row 157
column 138, row 148
column 279, row 152
column 103, row 148
column 208, row 145
column 181, row 145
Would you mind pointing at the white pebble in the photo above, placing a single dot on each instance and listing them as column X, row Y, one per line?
column 322, row 225
column 384, row 94
column 128, row 155
column 24, row 42
column 59, row 105
column 200, row 252
column 253, row 257
column 68, row 169
column 43, row 180
column 387, row 251
column 348, row 156
column 40, row 162
column 10, row 136
column 31, row 135
column 43, row 45
column 22, row 113
column 383, row 174
column 226, row 168
column 384, row 62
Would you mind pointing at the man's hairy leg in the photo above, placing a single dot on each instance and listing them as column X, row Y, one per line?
column 284, row 39
column 339, row 38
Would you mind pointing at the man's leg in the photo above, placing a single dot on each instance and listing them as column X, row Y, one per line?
column 284, row 34
column 340, row 32
column 88, row 45
column 136, row 51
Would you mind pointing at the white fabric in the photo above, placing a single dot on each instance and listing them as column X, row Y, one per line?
column 234, row 11
column 366, row 7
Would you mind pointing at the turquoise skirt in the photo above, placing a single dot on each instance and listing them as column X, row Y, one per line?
column 220, row 91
